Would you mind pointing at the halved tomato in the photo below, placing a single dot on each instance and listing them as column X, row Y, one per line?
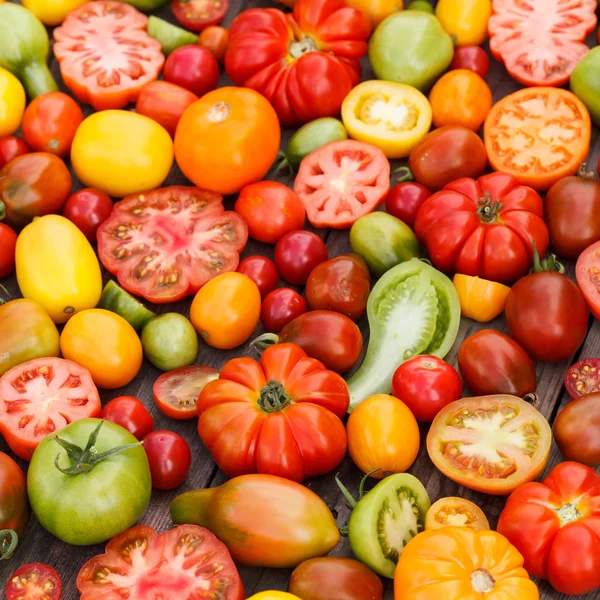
column 341, row 182
column 539, row 135
column 34, row 581
column 166, row 244
column 196, row 15
column 588, row 277
column 105, row 55
column 583, row 378
column 41, row 397
column 456, row 512
column 491, row 444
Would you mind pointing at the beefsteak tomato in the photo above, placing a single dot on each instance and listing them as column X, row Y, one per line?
column 14, row 505
column 588, row 277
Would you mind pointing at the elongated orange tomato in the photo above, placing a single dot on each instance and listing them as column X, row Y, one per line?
column 480, row 299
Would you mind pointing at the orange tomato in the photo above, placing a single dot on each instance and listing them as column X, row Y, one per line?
column 457, row 512
column 460, row 97
column 383, row 434
column 216, row 40
column 480, row 299
column 227, row 139
column 226, row 310
column 105, row 344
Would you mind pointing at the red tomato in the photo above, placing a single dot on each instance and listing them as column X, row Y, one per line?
column 473, row 58
column 426, row 384
column 130, row 413
column 15, row 513
column 188, row 238
column 124, row 57
column 184, row 562
column 34, row 581
column 215, row 39
column 195, row 15
column 483, row 228
column 176, row 392
column 404, row 201
column 88, row 209
column 297, row 253
column 583, row 378
column 588, row 277
column 193, row 68
column 11, row 147
column 164, row 103
column 262, row 271
column 170, row 459
column 280, row 307
column 50, row 122
column 8, row 242
column 271, row 210
column 341, row 182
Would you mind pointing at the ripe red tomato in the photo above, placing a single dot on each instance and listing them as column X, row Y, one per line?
column 271, row 210
column 88, row 209
column 215, row 39
column 34, row 581
column 11, row 147
column 170, row 459
column 280, row 307
column 8, row 243
column 583, row 378
column 297, row 253
column 262, row 271
column 473, row 58
column 195, row 15
column 426, row 384
column 404, row 201
column 588, row 277
column 15, row 513
column 193, row 68
column 130, row 413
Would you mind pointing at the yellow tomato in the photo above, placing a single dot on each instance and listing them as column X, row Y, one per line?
column 480, row 299
column 12, row 102
column 52, row 12
column 392, row 116
column 105, row 344
column 226, row 310
column 376, row 10
column 57, row 267
column 272, row 595
column 455, row 512
column 465, row 20
column 383, row 434
column 121, row 153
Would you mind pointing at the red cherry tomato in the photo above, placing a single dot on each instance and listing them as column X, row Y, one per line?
column 280, row 307
column 404, row 201
column 34, row 581
column 297, row 253
column 170, row 459
column 11, row 147
column 195, row 15
column 130, row 413
column 262, row 271
column 8, row 242
column 88, row 209
column 473, row 58
column 193, row 68
column 215, row 39
column 426, row 384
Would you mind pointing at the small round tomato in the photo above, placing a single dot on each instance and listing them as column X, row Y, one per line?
column 193, row 68
column 262, row 271
column 11, row 147
column 583, row 378
column 88, row 209
column 404, row 201
column 280, row 307
column 426, row 384
column 297, row 253
column 480, row 299
column 271, row 210
column 34, row 581
column 130, row 413
column 170, row 459
column 195, row 15
column 216, row 40
column 473, row 58
column 8, row 243
column 465, row 20
column 456, row 512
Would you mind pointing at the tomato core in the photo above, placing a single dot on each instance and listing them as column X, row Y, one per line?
column 302, row 46
column 482, row 581
column 273, row 397
column 219, row 112
column 567, row 513
column 396, row 114
column 488, row 209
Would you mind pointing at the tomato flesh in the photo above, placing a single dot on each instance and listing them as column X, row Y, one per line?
column 196, row 15
column 455, row 512
column 583, row 378
column 588, row 277
column 34, row 581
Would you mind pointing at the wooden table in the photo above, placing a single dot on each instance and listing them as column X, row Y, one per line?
column 39, row 546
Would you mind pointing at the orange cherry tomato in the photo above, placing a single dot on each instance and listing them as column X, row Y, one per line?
column 454, row 511
column 480, row 299
column 216, row 40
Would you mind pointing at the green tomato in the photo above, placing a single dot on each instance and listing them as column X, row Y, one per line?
column 383, row 241
column 170, row 342
column 170, row 36
column 421, row 5
column 117, row 300
column 410, row 47
column 89, row 496
column 585, row 83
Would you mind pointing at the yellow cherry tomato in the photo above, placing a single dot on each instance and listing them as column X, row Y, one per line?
column 392, row 116
column 57, row 267
column 480, row 299
column 121, row 153
column 226, row 310
column 12, row 102
column 376, row 10
column 465, row 20
column 273, row 595
column 105, row 344
column 52, row 12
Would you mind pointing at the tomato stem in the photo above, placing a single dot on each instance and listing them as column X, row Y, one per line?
column 349, row 498
column 302, row 46
column 273, row 397
column 547, row 265
column 282, row 163
column 407, row 174
column 265, row 340
column 488, row 209
column 8, row 543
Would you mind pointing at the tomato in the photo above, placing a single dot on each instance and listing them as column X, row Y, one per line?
column 193, row 68
column 297, row 253
column 88, row 209
column 104, row 343
column 216, row 40
column 435, row 167
column 583, row 377
column 8, row 243
column 280, row 307
column 473, row 58
column 52, row 12
column 282, row 56
column 557, row 127
column 33, row 185
column 117, row 59
column 170, row 342
column 262, row 271
column 424, row 5
column 12, row 102
column 426, row 384
column 272, row 595
column 491, row 444
column 480, row 299
column 376, row 10
column 130, row 413
column 583, row 86
column 14, row 505
column 456, row 512
column 587, row 269
column 297, row 527
column 547, row 521
column 117, row 300
column 203, row 241
column 465, row 20
column 404, row 201
column 227, row 139
column 195, row 15
column 394, row 117
column 170, row 459
column 34, row 581
column 164, row 103
column 11, row 147
column 42, row 396
column 341, row 182
column 176, row 392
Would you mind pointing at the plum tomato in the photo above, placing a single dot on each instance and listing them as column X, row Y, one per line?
column 88, row 209
column 583, row 377
column 193, row 68
column 215, row 39
column 473, row 58
column 11, row 147
column 280, row 307
column 262, row 271
column 404, row 201
column 34, row 581
column 297, row 253
column 8, row 243
column 456, row 512
column 196, row 15
column 130, row 413
column 170, row 459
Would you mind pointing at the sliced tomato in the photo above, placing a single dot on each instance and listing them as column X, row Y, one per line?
column 176, row 392
column 105, row 55
column 341, row 182
column 491, row 444
column 166, row 244
column 583, row 378
column 42, row 396
column 34, row 581
column 588, row 277
column 456, row 512
column 196, row 15
column 541, row 41
column 186, row 563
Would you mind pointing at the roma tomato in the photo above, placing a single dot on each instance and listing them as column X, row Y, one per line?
column 88, row 209
column 193, row 68
column 472, row 58
column 170, row 458
column 216, row 40
column 280, row 307
column 14, row 505
column 195, row 15
column 130, row 413
column 465, row 20
column 297, row 253
column 583, row 377
column 11, row 147
column 33, row 581
column 455, row 512
column 8, row 243
column 404, row 201
column 480, row 299
column 587, row 270
column 262, row 271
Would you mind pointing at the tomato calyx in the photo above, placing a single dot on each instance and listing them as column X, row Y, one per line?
column 273, row 397
column 488, row 209
column 568, row 513
column 8, row 543
column 304, row 45
column 482, row 581
column 547, row 265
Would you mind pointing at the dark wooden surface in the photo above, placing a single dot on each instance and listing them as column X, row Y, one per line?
column 39, row 546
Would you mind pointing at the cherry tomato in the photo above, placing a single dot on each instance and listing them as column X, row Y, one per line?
column 280, row 307
column 404, row 201
column 297, row 253
column 130, row 413
column 11, row 147
column 88, row 209
column 473, row 58
column 8, row 242
column 215, row 39
column 195, row 15
column 583, row 378
column 262, row 271
column 34, row 581
column 193, row 68
column 170, row 459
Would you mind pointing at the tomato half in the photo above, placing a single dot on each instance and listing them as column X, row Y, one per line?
column 196, row 15
column 456, row 512
column 480, row 299
column 34, row 581
column 130, row 413
column 583, row 377
column 588, row 277
column 170, row 458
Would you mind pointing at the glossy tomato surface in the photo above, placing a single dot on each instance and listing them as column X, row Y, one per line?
column 297, row 253
column 8, row 243
column 216, row 40
column 170, row 458
column 14, row 505
column 11, row 147
column 34, row 581
column 473, row 58
column 280, row 307
column 195, row 15
column 262, row 271
column 404, row 201
column 193, row 68
column 130, row 413
column 88, row 209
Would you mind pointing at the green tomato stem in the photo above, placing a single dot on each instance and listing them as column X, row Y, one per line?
column 273, row 397
column 8, row 543
column 2, row 210
column 265, row 340
column 547, row 265
column 406, row 174
column 38, row 80
column 349, row 498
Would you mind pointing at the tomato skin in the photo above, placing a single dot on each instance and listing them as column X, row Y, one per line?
column 297, row 253
column 88, row 209
column 404, row 201
column 12, row 102
column 280, row 307
column 170, row 459
column 473, row 58
column 130, row 413
column 34, row 580
column 193, row 68
column 196, row 18
column 8, row 243
column 262, row 271
column 465, row 20
column 11, row 147
column 587, row 277
column 14, row 504
column 216, row 40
